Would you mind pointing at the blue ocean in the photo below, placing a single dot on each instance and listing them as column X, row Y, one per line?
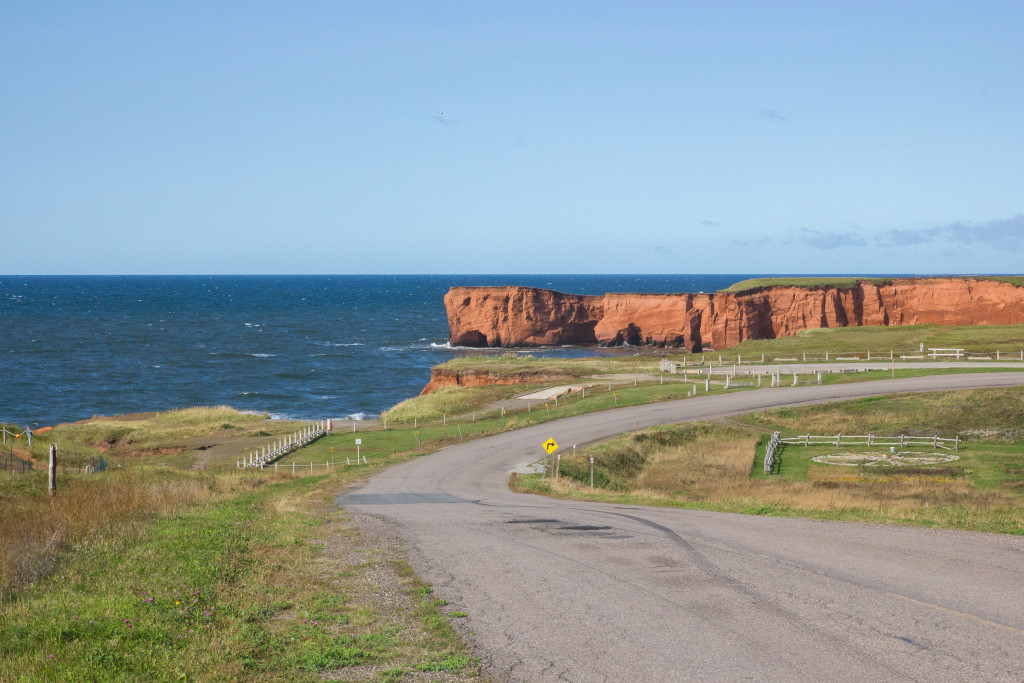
column 305, row 347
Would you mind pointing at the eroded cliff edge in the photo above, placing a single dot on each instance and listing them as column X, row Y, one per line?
column 524, row 316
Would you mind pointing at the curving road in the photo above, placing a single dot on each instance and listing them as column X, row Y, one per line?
column 560, row 590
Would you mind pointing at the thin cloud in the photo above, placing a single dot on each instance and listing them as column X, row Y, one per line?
column 817, row 239
column 762, row 241
column 659, row 249
column 1006, row 234
column 905, row 238
column 709, row 224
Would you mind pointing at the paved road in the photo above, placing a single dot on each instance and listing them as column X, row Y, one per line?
column 559, row 590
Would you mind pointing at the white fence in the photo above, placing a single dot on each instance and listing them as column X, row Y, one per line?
column 284, row 445
column 769, row 453
column 719, row 360
column 311, row 467
column 872, row 440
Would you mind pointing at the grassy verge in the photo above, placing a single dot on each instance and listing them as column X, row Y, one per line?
column 453, row 401
column 168, row 573
column 720, row 467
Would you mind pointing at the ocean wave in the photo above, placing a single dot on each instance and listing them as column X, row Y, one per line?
column 351, row 344
column 264, row 396
column 238, row 354
column 447, row 346
column 361, row 416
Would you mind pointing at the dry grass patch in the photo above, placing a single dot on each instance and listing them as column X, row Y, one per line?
column 105, row 508
column 939, row 413
column 451, row 402
column 709, row 466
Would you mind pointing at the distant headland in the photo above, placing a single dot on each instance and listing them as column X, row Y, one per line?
column 752, row 309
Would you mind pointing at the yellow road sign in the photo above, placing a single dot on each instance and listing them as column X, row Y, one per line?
column 550, row 446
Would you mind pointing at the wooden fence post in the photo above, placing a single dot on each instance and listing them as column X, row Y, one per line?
column 53, row 469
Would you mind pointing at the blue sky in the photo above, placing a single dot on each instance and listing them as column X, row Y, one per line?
column 533, row 137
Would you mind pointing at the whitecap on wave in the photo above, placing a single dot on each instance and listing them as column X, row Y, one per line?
column 360, row 416
column 447, row 346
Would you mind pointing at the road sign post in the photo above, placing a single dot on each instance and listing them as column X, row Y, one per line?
column 549, row 447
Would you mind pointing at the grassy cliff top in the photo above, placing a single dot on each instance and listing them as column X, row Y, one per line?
column 844, row 282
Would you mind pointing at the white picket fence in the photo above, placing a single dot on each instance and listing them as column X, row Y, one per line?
column 281, row 447
column 769, row 453
column 872, row 440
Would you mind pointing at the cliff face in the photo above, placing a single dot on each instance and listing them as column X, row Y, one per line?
column 446, row 378
column 523, row 316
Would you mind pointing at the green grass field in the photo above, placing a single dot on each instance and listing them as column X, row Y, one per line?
column 901, row 340
column 838, row 282
column 804, row 282
column 164, row 572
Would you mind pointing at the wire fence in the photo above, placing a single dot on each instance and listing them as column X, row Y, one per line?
column 704, row 360
column 13, row 463
column 298, row 468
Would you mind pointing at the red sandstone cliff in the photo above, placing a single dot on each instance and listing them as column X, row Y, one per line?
column 440, row 378
column 523, row 316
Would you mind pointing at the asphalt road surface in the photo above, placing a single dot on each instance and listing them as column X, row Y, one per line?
column 561, row 590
